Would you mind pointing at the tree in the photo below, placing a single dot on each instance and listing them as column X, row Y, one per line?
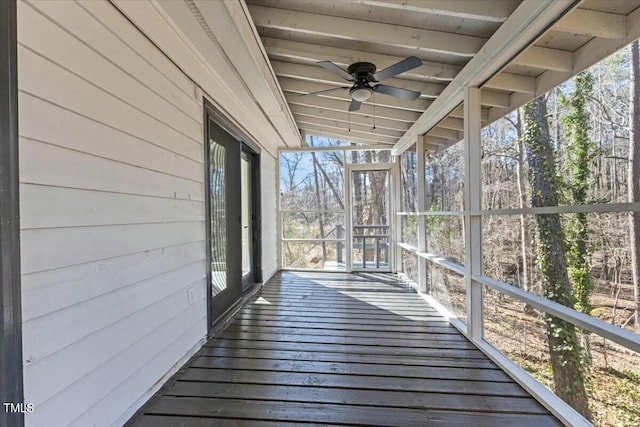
column 580, row 154
column 522, row 202
column 408, row 178
column 320, row 205
column 290, row 163
column 564, row 350
column 633, row 175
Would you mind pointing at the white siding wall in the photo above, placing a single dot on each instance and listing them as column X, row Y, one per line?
column 112, row 213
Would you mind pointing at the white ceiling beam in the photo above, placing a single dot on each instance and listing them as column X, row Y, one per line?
column 439, row 142
column 332, row 125
column 362, row 127
column 491, row 98
column 343, row 106
column 374, row 138
column 431, row 146
column 346, row 136
column 452, row 135
column 292, row 51
column 301, row 87
column 458, row 113
column 374, row 32
column 494, row 10
column 545, row 58
column 512, row 83
column 593, row 23
column 539, row 57
column 514, row 35
column 453, row 123
column 343, row 116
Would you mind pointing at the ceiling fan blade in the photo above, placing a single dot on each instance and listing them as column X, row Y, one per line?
column 328, row 65
column 398, row 68
column 322, row 92
column 355, row 105
column 397, row 92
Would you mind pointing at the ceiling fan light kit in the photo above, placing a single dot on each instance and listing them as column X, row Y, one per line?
column 360, row 94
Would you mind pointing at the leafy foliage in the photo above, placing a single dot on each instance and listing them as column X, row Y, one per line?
column 579, row 159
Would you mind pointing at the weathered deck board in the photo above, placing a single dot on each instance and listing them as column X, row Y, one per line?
column 340, row 349
column 314, row 367
column 346, row 357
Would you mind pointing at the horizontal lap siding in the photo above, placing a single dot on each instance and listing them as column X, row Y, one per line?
column 112, row 211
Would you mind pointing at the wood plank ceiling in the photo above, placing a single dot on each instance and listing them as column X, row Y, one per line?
column 445, row 35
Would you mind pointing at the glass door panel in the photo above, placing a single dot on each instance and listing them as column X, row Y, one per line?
column 246, row 193
column 370, row 230
column 223, row 221
column 218, row 216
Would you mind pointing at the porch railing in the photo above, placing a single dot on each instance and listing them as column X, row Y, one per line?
column 559, row 407
column 377, row 238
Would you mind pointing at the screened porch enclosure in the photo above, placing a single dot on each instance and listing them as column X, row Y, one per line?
column 451, row 210
column 239, row 230
column 457, row 235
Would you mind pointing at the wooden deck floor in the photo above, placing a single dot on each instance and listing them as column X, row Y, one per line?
column 340, row 349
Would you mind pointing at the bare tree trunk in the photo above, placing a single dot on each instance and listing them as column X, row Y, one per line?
column 320, row 204
column 408, row 173
column 522, row 195
column 356, row 203
column 524, row 278
column 376, row 207
column 564, row 349
column 634, row 176
column 332, row 187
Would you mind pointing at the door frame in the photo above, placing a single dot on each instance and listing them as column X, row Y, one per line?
column 392, row 168
column 256, row 218
column 11, row 368
column 244, row 144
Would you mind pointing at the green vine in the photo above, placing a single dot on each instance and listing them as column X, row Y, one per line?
column 566, row 354
column 580, row 155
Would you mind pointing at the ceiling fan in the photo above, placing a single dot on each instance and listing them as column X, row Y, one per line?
column 364, row 76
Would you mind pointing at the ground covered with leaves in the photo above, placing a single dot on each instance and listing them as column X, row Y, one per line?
column 613, row 375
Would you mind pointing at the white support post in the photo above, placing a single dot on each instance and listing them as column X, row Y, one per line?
column 348, row 215
column 397, row 220
column 472, row 203
column 279, row 257
column 422, row 220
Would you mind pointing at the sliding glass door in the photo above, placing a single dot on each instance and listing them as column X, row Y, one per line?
column 233, row 219
column 224, row 223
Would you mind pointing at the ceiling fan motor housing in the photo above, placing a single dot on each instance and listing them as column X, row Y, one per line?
column 362, row 71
